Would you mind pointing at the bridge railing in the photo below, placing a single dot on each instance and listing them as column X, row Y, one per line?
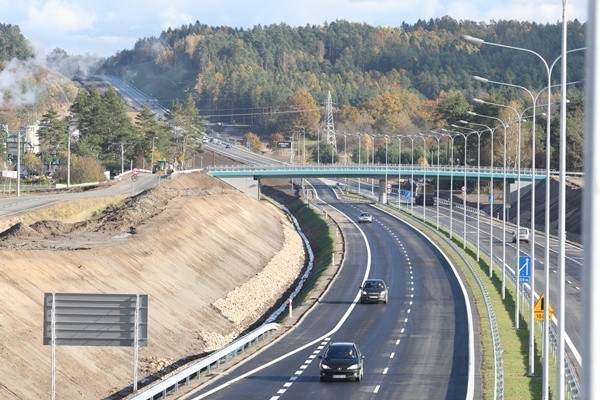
column 390, row 169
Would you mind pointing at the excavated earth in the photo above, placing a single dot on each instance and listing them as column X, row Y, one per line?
column 211, row 259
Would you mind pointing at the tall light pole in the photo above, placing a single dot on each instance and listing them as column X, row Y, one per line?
column 412, row 174
column 591, row 223
column 517, row 230
column 372, row 163
column 437, row 137
column 18, row 163
column 452, row 135
column 560, row 368
column 532, row 221
column 359, row 135
column 399, row 167
column 387, row 138
column 503, row 201
column 304, row 144
column 478, row 179
column 464, row 191
column 491, row 192
column 546, row 351
column 423, row 136
column 152, row 154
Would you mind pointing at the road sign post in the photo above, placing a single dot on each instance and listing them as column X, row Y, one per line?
column 524, row 269
column 539, row 308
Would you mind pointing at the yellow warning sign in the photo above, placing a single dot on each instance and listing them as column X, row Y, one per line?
column 538, row 309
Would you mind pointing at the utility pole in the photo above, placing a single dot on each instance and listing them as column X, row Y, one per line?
column 122, row 144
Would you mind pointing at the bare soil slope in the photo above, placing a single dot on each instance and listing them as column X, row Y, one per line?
column 211, row 259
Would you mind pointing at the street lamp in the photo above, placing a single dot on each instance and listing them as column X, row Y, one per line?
column 452, row 136
column 491, row 192
column 437, row 136
column 399, row 166
column 465, row 135
column 424, row 176
column 478, row 177
column 304, row 144
column 561, row 239
column 152, row 154
column 387, row 138
column 517, row 263
column 359, row 135
column 503, row 200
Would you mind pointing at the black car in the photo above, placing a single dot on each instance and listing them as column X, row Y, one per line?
column 342, row 360
column 374, row 291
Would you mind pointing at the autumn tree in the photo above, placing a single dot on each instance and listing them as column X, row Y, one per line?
column 253, row 141
column 300, row 110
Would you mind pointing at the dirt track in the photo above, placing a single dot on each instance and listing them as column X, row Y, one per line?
column 211, row 259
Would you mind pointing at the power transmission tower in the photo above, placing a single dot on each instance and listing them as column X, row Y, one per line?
column 329, row 128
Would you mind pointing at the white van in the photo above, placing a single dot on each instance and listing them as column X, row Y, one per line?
column 523, row 235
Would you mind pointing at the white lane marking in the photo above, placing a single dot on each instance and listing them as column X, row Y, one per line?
column 376, row 389
column 392, row 355
column 385, row 370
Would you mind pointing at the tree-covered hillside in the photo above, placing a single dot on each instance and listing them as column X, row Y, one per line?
column 233, row 71
column 13, row 44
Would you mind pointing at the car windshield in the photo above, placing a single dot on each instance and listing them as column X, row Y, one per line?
column 341, row 352
column 373, row 284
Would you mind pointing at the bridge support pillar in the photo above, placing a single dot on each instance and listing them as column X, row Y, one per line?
column 382, row 191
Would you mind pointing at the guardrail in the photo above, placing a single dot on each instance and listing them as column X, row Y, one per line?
column 572, row 384
column 183, row 377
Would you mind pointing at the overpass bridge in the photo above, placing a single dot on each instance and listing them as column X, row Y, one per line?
column 247, row 177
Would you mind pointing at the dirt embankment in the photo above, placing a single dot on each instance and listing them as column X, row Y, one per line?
column 211, row 259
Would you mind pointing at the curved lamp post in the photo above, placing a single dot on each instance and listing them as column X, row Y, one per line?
column 491, row 192
column 478, row 179
column 546, row 351
column 453, row 135
column 517, row 262
column 465, row 136
column 438, row 137
column 504, row 125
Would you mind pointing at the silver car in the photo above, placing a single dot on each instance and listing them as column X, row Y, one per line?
column 365, row 217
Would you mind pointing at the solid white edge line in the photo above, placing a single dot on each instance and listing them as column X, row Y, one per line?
column 331, row 332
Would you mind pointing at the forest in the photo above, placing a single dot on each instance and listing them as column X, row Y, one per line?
column 383, row 80
column 386, row 83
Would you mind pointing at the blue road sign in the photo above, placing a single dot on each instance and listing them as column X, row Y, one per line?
column 524, row 269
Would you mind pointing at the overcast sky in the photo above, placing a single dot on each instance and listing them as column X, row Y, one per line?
column 103, row 27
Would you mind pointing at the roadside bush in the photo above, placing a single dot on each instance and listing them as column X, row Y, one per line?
column 83, row 170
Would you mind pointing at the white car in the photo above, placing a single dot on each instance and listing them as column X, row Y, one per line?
column 523, row 235
column 365, row 217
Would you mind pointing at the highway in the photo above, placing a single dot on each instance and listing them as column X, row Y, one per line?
column 478, row 233
column 419, row 345
column 573, row 259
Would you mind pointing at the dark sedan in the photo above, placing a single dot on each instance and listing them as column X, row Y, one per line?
column 374, row 291
column 342, row 360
